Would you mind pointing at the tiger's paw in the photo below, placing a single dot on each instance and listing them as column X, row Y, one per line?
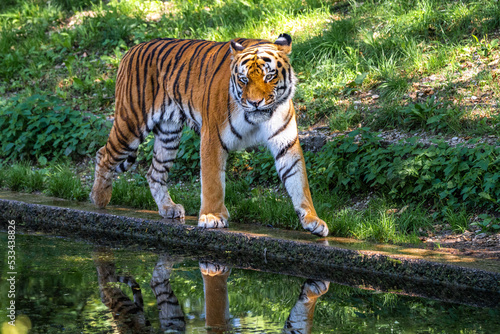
column 101, row 192
column 315, row 288
column 212, row 221
column 315, row 225
column 175, row 211
column 213, row 269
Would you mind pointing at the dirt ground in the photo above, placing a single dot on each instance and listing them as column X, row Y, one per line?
column 476, row 244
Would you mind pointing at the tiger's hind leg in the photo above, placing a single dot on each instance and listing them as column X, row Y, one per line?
column 117, row 155
column 167, row 139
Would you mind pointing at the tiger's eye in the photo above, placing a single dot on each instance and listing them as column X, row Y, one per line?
column 269, row 77
column 243, row 80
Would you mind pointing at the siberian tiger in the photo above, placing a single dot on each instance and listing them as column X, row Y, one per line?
column 234, row 94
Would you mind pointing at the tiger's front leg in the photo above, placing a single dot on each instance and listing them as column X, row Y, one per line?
column 167, row 139
column 213, row 212
column 291, row 167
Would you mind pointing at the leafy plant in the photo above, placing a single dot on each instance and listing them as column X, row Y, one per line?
column 487, row 223
column 447, row 177
column 428, row 114
column 41, row 126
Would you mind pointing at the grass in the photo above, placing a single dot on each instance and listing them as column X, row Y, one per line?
column 342, row 52
column 410, row 65
column 381, row 219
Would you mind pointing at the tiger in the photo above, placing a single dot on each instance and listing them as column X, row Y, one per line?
column 234, row 94
column 217, row 316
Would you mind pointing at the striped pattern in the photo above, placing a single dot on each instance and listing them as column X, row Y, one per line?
column 301, row 316
column 234, row 94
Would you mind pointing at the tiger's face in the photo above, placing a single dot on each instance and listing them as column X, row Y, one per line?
column 261, row 77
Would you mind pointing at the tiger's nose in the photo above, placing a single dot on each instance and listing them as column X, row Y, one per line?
column 255, row 103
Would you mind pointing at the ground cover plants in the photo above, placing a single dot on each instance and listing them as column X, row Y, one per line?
column 420, row 67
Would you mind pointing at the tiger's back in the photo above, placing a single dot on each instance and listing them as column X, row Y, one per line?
column 234, row 94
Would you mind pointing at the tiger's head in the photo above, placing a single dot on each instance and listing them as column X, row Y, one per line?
column 262, row 77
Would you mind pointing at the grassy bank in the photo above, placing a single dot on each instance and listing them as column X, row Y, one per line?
column 416, row 66
column 358, row 62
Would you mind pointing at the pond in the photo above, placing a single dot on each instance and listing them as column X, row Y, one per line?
column 68, row 286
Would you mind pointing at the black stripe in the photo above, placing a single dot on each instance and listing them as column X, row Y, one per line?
column 122, row 139
column 246, row 60
column 287, row 174
column 166, row 170
column 130, row 95
column 233, row 130
column 117, row 151
column 150, row 44
column 193, row 57
column 282, row 128
column 168, row 133
column 167, row 52
column 221, row 142
column 131, row 159
column 166, row 291
column 143, row 93
column 168, row 140
column 177, row 94
column 170, row 148
column 228, row 52
column 214, row 57
column 164, row 282
column 286, row 148
column 207, row 53
column 247, row 120
column 131, row 106
column 163, row 183
column 190, row 108
column 163, row 161
column 283, row 72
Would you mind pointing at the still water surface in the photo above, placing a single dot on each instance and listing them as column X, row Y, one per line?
column 65, row 286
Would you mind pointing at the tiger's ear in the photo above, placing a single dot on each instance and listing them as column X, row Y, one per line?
column 284, row 43
column 236, row 47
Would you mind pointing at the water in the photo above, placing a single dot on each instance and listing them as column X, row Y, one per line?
column 65, row 286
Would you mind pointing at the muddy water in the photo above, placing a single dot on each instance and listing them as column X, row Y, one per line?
column 65, row 286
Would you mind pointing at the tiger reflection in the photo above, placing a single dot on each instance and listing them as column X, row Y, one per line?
column 215, row 278
column 129, row 315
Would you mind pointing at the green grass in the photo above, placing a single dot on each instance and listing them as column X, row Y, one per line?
column 341, row 50
column 382, row 220
column 425, row 59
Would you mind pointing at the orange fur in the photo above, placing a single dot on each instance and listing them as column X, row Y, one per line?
column 234, row 94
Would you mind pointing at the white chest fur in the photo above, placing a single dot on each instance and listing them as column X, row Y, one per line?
column 239, row 133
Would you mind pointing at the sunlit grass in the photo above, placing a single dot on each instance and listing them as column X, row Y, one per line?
column 73, row 48
column 342, row 51
column 380, row 220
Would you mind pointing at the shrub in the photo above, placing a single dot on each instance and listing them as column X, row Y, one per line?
column 447, row 177
column 41, row 126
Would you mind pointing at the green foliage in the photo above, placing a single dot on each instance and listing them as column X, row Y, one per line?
column 427, row 115
column 255, row 167
column 442, row 175
column 187, row 162
column 487, row 223
column 41, row 126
